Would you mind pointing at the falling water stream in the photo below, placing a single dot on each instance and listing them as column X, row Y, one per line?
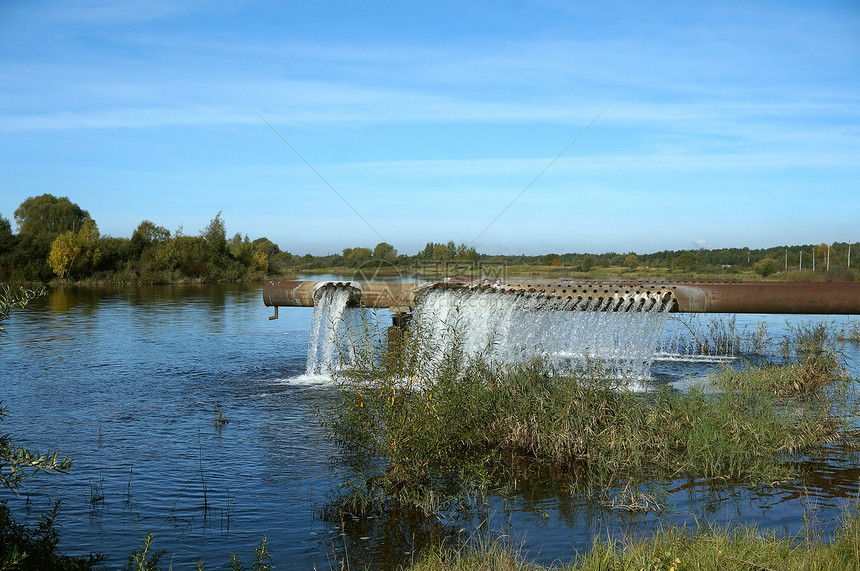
column 327, row 330
column 620, row 333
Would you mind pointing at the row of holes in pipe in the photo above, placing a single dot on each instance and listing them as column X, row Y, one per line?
column 575, row 291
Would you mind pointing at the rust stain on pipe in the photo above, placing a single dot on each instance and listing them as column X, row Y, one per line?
column 688, row 297
column 769, row 297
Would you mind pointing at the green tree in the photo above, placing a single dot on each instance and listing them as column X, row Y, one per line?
column 631, row 261
column 588, row 262
column 148, row 234
column 451, row 249
column 215, row 235
column 49, row 215
column 116, row 253
column 440, row 252
column 385, row 251
column 551, row 260
column 237, row 246
column 467, row 253
column 266, row 246
column 357, row 255
column 685, row 261
column 186, row 255
column 247, row 253
column 427, row 252
column 7, row 239
column 7, row 247
column 765, row 267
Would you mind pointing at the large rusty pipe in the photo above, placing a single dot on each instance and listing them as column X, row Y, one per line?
column 394, row 295
column 688, row 297
column 769, row 297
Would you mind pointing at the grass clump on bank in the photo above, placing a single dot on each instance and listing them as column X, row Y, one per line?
column 808, row 376
column 810, row 365
column 674, row 549
column 850, row 333
column 421, row 422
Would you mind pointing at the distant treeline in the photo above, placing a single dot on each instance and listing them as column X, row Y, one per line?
column 58, row 239
column 764, row 261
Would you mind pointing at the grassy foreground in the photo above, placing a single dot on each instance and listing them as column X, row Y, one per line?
column 674, row 549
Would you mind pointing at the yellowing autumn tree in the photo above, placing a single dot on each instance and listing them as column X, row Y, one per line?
column 75, row 250
column 632, row 261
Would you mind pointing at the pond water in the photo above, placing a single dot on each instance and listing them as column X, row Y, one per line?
column 131, row 381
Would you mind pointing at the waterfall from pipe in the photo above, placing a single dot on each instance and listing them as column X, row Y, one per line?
column 621, row 333
column 327, row 328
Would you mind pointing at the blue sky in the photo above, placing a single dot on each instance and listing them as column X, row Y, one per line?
column 711, row 124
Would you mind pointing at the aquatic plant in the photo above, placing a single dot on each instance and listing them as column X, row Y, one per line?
column 672, row 548
column 811, row 362
column 146, row 557
column 721, row 336
column 812, row 338
column 850, row 332
column 418, row 430
column 807, row 376
column 17, row 463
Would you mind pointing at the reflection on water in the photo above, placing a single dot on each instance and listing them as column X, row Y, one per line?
column 127, row 381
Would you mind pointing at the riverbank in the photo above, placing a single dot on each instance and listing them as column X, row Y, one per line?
column 490, row 270
column 438, row 272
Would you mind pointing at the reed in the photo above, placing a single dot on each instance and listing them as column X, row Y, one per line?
column 806, row 377
column 418, row 429
column 673, row 549
column 850, row 332
column 811, row 365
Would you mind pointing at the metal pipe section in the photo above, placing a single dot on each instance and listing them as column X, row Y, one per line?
column 397, row 296
column 838, row 298
column 833, row 298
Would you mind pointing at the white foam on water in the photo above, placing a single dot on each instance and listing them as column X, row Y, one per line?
column 693, row 358
column 687, row 383
column 306, row 380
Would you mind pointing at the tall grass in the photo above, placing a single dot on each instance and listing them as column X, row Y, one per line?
column 722, row 336
column 850, row 332
column 811, row 365
column 419, row 424
column 674, row 549
column 806, row 377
